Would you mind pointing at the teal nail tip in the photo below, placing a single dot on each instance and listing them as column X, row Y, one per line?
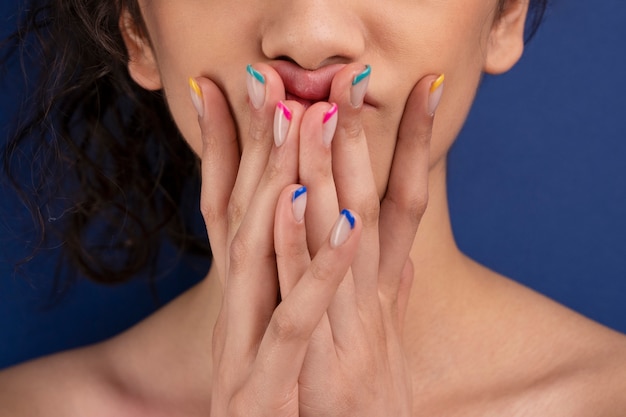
column 256, row 74
column 348, row 215
column 366, row 73
column 298, row 193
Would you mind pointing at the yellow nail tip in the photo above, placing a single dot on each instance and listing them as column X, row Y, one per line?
column 195, row 87
column 437, row 83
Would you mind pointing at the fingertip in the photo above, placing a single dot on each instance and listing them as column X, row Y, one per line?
column 434, row 94
column 344, row 228
column 298, row 203
column 197, row 96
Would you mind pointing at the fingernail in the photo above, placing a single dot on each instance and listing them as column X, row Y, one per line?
column 282, row 117
column 359, row 87
column 436, row 90
column 298, row 203
column 256, row 87
column 330, row 125
column 196, row 96
column 342, row 229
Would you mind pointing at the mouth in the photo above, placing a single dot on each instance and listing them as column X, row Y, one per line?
column 304, row 86
column 306, row 103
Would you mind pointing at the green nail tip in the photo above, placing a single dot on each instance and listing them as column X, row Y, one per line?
column 363, row 75
column 256, row 74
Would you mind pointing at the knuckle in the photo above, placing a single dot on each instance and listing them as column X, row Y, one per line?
column 412, row 208
column 272, row 171
column 369, row 211
column 423, row 138
column 292, row 249
column 239, row 252
column 258, row 131
column 235, row 213
column 284, row 327
column 210, row 213
column 320, row 272
column 416, row 207
column 352, row 128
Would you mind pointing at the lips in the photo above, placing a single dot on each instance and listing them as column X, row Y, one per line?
column 304, row 86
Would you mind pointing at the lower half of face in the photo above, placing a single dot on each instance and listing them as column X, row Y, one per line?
column 402, row 41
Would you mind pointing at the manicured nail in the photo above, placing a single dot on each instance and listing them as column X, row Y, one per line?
column 342, row 229
column 282, row 117
column 330, row 125
column 298, row 203
column 359, row 87
column 256, row 87
column 436, row 90
column 196, row 96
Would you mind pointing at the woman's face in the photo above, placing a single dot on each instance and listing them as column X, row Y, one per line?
column 402, row 40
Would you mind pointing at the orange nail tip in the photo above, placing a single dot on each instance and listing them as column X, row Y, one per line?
column 437, row 83
column 193, row 84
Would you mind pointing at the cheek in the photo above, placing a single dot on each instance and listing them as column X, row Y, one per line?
column 189, row 42
column 413, row 50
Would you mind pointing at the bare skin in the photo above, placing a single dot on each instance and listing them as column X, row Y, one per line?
column 475, row 343
column 489, row 347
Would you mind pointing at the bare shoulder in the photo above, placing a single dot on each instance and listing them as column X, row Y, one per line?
column 578, row 366
column 159, row 367
column 72, row 383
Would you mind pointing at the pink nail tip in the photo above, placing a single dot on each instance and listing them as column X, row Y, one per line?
column 330, row 113
column 285, row 110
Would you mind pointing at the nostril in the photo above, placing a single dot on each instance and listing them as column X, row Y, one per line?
column 326, row 62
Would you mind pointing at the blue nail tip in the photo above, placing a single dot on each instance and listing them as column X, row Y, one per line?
column 298, row 193
column 363, row 75
column 256, row 74
column 346, row 213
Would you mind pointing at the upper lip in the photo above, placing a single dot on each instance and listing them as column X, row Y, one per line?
column 305, row 84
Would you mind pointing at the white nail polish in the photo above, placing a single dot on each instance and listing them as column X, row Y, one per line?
column 436, row 91
column 298, row 203
column 329, row 125
column 342, row 229
column 256, row 87
column 282, row 118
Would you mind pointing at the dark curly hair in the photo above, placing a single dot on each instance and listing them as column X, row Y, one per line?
column 100, row 149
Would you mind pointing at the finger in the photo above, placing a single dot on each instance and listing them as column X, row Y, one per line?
column 220, row 160
column 353, row 176
column 407, row 193
column 292, row 253
column 295, row 319
column 316, row 171
column 252, row 283
column 265, row 90
column 404, row 291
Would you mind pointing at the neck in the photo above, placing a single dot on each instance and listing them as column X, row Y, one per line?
column 434, row 252
column 443, row 274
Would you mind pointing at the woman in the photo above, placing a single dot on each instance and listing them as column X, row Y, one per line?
column 373, row 318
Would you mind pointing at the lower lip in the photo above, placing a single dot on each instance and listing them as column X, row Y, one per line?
column 308, row 103
column 305, row 103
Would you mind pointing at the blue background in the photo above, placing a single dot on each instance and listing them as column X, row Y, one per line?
column 537, row 192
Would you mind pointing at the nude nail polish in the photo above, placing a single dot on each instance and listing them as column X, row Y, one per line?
column 329, row 125
column 359, row 87
column 282, row 119
column 342, row 229
column 436, row 91
column 255, row 82
column 298, row 203
column 196, row 96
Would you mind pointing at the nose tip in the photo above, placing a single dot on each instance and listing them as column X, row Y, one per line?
column 313, row 35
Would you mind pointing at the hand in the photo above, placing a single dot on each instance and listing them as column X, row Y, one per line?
column 355, row 364
column 245, row 391
column 251, row 341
